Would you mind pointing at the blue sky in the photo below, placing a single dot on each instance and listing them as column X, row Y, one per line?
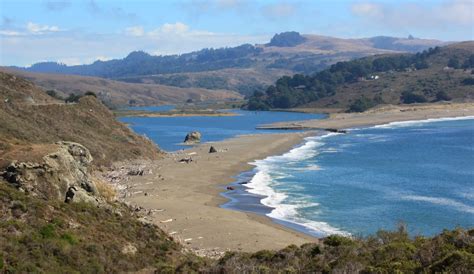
column 81, row 31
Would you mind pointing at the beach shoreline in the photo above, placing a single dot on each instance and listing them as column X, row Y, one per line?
column 188, row 200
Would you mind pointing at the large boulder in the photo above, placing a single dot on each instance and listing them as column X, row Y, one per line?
column 193, row 137
column 62, row 175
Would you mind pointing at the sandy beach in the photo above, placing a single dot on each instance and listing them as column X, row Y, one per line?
column 381, row 115
column 183, row 198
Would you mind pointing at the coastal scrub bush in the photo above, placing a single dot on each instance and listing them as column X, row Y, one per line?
column 409, row 97
column 468, row 81
column 72, row 98
column 362, row 104
column 442, row 96
column 90, row 93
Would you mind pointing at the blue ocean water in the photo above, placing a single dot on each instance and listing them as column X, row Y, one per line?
column 169, row 132
column 419, row 173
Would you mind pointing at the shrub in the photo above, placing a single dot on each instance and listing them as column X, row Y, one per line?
column 442, row 96
column 48, row 231
column 409, row 97
column 72, row 98
column 362, row 104
column 337, row 240
column 90, row 93
column 69, row 238
column 468, row 81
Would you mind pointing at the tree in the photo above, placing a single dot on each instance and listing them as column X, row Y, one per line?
column 453, row 62
column 409, row 97
column 362, row 104
column 52, row 93
column 72, row 98
column 90, row 93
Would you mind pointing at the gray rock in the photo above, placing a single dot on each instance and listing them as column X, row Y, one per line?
column 192, row 137
column 61, row 175
column 212, row 150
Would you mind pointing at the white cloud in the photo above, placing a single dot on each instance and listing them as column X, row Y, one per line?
column 80, row 47
column 10, row 33
column 279, row 10
column 367, row 9
column 176, row 28
column 135, row 31
column 40, row 29
column 417, row 15
column 458, row 11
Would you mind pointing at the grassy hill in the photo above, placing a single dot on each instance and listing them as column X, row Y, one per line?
column 31, row 120
column 443, row 73
column 118, row 93
column 244, row 68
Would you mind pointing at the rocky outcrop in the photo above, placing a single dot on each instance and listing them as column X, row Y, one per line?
column 335, row 130
column 62, row 175
column 193, row 137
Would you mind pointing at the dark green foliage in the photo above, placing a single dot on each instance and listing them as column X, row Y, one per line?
column 73, row 98
column 293, row 91
column 454, row 62
column 468, row 81
column 336, row 240
column 287, row 39
column 442, row 96
column 469, row 63
column 52, row 93
column 141, row 63
column 48, row 231
column 361, row 104
column 386, row 252
column 409, row 97
column 90, row 93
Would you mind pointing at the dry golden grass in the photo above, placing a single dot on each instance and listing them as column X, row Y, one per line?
column 105, row 190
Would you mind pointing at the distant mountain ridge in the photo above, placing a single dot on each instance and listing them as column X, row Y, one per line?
column 244, row 68
column 233, row 57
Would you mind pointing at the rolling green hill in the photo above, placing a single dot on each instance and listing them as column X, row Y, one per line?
column 437, row 74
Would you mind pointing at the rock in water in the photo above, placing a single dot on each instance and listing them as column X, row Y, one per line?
column 62, row 175
column 193, row 137
column 212, row 150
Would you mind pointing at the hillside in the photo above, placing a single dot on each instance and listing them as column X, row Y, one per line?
column 438, row 74
column 287, row 53
column 32, row 121
column 117, row 93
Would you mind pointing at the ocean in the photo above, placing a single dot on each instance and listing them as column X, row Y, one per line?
column 420, row 173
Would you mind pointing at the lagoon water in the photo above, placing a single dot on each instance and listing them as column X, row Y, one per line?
column 418, row 173
column 169, row 132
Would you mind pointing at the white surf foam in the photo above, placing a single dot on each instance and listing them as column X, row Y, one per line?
column 263, row 180
column 417, row 122
column 441, row 201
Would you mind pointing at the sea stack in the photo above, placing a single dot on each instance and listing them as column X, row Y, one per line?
column 193, row 137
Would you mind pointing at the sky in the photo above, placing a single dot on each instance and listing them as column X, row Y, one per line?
column 81, row 31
